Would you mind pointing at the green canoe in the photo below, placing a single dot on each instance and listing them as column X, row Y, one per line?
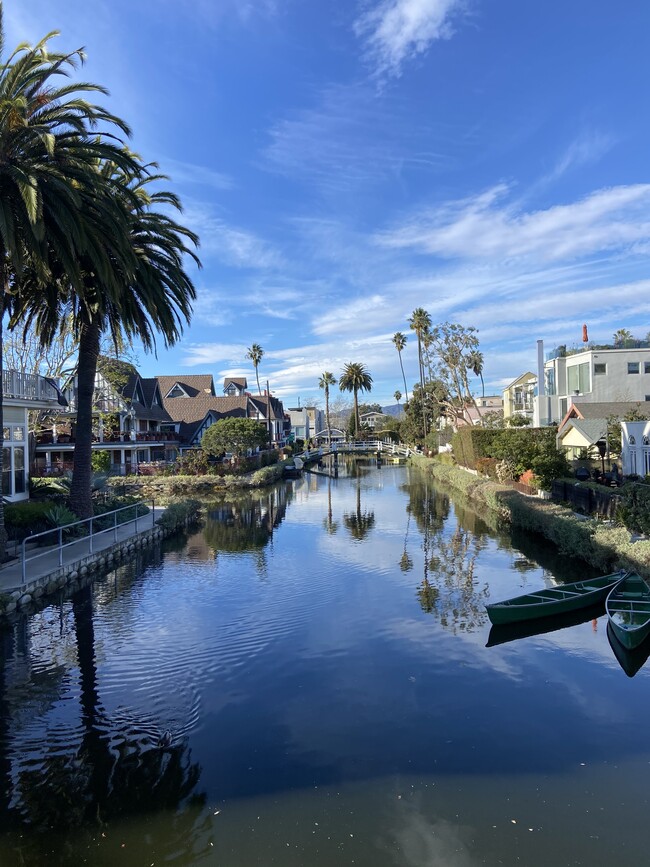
column 554, row 600
column 630, row 661
column 628, row 610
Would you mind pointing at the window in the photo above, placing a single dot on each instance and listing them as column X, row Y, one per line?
column 632, row 440
column 177, row 391
column 647, row 397
column 600, row 369
column 633, row 367
column 578, row 378
column 6, row 472
column 646, row 366
column 19, row 470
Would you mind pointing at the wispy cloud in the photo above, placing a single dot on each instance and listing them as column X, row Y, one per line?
column 589, row 147
column 231, row 245
column 395, row 31
column 351, row 137
column 189, row 173
column 488, row 226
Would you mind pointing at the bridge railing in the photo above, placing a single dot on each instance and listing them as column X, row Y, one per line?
column 355, row 447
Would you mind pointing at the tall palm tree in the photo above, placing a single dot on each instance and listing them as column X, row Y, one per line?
column 324, row 382
column 420, row 322
column 475, row 364
column 398, row 396
column 255, row 354
column 148, row 292
column 355, row 378
column 49, row 145
column 399, row 340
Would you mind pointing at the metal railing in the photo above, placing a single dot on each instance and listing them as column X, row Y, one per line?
column 367, row 446
column 90, row 535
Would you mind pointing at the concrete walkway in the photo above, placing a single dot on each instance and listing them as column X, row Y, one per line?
column 41, row 562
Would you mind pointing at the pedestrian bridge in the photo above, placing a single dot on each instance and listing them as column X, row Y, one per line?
column 365, row 447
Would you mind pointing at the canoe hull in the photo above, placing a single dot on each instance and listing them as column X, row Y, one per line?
column 554, row 600
column 628, row 611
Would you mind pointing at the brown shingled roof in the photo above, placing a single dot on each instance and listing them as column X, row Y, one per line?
column 190, row 412
column 194, row 384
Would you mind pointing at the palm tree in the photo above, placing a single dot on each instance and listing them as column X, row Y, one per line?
column 420, row 322
column 148, row 292
column 49, row 144
column 355, row 378
column 399, row 340
column 398, row 396
column 324, row 382
column 255, row 354
column 475, row 364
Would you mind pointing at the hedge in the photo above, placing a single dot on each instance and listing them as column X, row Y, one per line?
column 604, row 546
column 471, row 443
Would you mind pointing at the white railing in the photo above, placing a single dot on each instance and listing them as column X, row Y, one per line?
column 367, row 446
column 27, row 386
column 89, row 534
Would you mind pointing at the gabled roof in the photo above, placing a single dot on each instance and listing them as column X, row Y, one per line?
column 190, row 413
column 601, row 410
column 239, row 381
column 193, row 385
column 261, row 403
column 525, row 377
column 591, row 430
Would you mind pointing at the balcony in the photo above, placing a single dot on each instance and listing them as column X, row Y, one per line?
column 46, row 438
column 28, row 386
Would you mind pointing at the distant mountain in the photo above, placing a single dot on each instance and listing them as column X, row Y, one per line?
column 396, row 409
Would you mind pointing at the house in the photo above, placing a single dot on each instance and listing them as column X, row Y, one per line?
column 594, row 374
column 130, row 423
column 140, row 420
column 518, row 397
column 374, row 420
column 585, row 425
column 635, row 448
column 316, row 419
column 22, row 393
column 489, row 405
column 300, row 423
column 234, row 386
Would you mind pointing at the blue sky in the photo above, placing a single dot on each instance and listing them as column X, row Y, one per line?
column 345, row 161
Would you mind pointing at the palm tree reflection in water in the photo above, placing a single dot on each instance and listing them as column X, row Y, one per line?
column 359, row 523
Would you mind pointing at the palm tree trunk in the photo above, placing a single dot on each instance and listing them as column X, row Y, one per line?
column 257, row 377
column 482, row 384
column 3, row 532
column 327, row 414
column 356, row 414
column 81, row 484
column 406, row 391
column 424, row 409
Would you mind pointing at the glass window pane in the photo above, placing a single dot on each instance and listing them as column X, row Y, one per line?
column 19, row 433
column 6, row 433
column 6, row 472
column 19, row 470
column 633, row 367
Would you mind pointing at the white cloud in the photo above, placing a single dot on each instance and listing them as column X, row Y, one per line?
column 231, row 245
column 398, row 30
column 586, row 149
column 189, row 173
column 486, row 226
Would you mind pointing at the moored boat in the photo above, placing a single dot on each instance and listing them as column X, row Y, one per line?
column 628, row 610
column 631, row 661
column 554, row 600
column 543, row 625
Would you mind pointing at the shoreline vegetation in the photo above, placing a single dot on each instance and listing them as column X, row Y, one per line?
column 601, row 544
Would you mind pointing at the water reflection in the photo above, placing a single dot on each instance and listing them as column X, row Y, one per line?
column 359, row 523
column 248, row 523
column 449, row 589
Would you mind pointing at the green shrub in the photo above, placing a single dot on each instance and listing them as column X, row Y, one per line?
column 177, row 515
column 101, row 461
column 26, row 519
column 471, row 443
column 487, row 467
column 635, row 508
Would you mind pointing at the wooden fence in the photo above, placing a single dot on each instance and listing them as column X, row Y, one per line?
column 586, row 499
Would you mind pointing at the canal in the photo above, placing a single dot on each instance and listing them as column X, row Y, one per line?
column 305, row 682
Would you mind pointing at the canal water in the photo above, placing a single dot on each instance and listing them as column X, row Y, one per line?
column 305, row 682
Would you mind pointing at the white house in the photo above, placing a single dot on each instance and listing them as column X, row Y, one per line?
column 22, row 393
column 635, row 448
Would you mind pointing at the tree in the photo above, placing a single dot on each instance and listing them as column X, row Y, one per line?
column 454, row 350
column 235, row 435
column 475, row 364
column 324, row 382
column 622, row 337
column 420, row 322
column 399, row 340
column 50, row 141
column 255, row 354
column 355, row 378
column 398, row 396
column 145, row 292
column 423, row 405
